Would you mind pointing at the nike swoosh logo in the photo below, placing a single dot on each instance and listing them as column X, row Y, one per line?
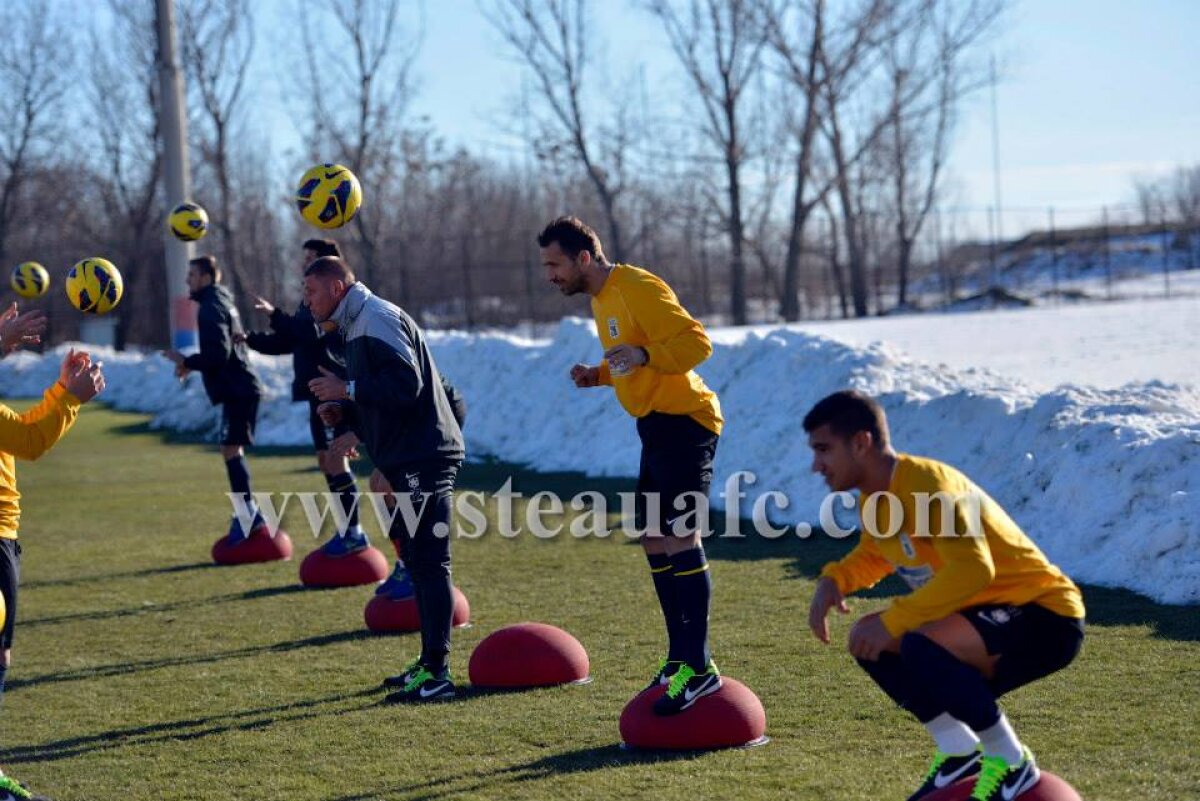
column 943, row 779
column 688, row 695
column 1010, row 791
column 428, row 691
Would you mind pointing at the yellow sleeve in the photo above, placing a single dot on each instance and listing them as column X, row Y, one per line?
column 605, row 377
column 860, row 569
column 29, row 435
column 967, row 568
column 676, row 341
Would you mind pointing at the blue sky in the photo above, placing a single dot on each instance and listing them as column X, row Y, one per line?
column 1093, row 92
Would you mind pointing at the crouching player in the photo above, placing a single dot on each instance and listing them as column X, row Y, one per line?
column 987, row 612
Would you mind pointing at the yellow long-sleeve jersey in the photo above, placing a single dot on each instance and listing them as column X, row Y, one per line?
column 637, row 308
column 947, row 570
column 28, row 436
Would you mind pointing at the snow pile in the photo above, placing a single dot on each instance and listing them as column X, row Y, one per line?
column 1106, row 480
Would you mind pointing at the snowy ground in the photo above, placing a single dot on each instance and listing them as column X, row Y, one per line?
column 1034, row 405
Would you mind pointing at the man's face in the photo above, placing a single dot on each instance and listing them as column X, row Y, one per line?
column 563, row 271
column 836, row 458
column 307, row 257
column 196, row 279
column 322, row 295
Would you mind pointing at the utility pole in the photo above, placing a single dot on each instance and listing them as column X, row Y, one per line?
column 996, row 156
column 177, row 177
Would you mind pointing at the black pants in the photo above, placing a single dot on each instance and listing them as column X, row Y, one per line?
column 10, row 575
column 1031, row 641
column 677, row 459
column 428, row 490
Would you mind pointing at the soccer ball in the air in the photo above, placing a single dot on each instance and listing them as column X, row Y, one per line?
column 329, row 196
column 188, row 222
column 94, row 286
column 30, row 279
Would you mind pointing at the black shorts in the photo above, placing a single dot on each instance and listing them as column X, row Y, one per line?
column 1031, row 641
column 320, row 432
column 10, row 575
column 238, row 419
column 677, row 467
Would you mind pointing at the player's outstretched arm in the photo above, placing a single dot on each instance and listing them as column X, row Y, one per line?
column 825, row 598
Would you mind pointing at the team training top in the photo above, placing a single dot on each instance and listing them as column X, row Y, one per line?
column 28, row 436
column 949, row 573
column 636, row 307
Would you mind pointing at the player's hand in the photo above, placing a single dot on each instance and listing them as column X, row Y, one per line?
column 264, row 305
column 330, row 413
column 20, row 329
column 328, row 387
column 624, row 359
column 826, row 597
column 239, row 338
column 80, row 376
column 344, row 446
column 869, row 638
column 585, row 376
column 174, row 356
column 181, row 372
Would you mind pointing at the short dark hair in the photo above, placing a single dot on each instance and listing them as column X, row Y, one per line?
column 573, row 235
column 846, row 413
column 323, row 247
column 331, row 267
column 208, row 266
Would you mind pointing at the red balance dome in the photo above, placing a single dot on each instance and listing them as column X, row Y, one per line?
column 1048, row 788
column 731, row 717
column 258, row 547
column 528, row 655
column 382, row 614
column 368, row 566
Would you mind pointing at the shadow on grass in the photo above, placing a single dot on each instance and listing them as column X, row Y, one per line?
column 127, row 668
column 583, row 760
column 182, row 730
column 144, row 573
column 160, row 608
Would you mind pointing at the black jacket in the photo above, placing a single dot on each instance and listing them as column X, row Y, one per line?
column 311, row 348
column 401, row 410
column 224, row 366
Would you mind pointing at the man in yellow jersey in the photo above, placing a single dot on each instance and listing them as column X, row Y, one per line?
column 28, row 436
column 987, row 613
column 651, row 346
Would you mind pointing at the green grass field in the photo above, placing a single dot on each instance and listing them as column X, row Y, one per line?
column 143, row 672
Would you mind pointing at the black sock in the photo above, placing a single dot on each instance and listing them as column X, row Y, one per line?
column 664, row 587
column 3, row 674
column 239, row 479
column 693, row 592
column 889, row 673
column 943, row 680
column 347, row 490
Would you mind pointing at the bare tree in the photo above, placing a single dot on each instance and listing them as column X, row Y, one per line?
column 358, row 105
column 122, row 101
column 796, row 31
column 218, row 42
column 720, row 44
column 35, row 70
column 552, row 38
column 929, row 67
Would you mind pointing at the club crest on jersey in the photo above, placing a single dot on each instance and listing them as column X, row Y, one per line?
column 907, row 546
column 613, row 330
